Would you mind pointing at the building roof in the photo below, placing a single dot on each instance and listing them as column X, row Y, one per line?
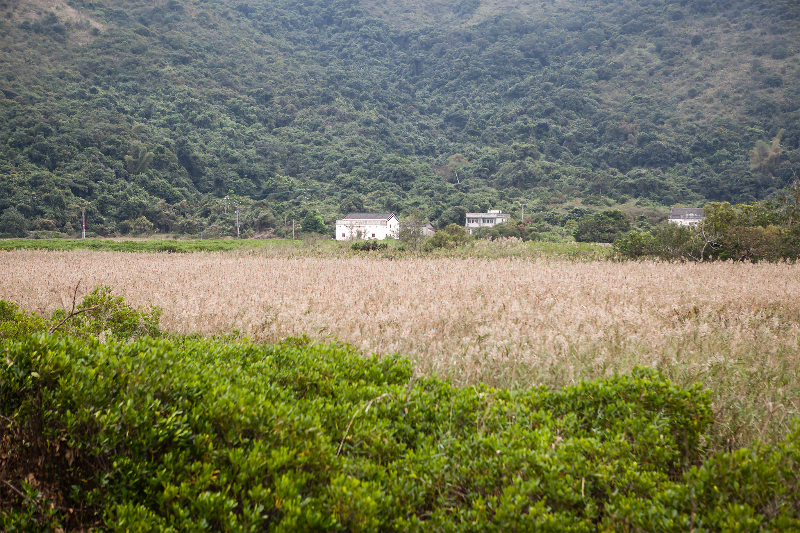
column 686, row 212
column 417, row 224
column 368, row 216
column 501, row 215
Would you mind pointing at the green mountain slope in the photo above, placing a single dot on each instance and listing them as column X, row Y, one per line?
column 158, row 109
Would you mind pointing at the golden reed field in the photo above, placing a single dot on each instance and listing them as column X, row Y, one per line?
column 733, row 327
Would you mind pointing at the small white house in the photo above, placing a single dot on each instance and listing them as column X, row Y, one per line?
column 367, row 226
column 686, row 216
column 486, row 220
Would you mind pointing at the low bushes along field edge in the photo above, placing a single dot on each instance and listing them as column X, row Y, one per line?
column 284, row 247
column 172, row 246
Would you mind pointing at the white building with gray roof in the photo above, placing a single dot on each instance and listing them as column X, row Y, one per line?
column 367, row 226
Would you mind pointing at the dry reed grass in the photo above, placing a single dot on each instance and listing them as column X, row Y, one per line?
column 506, row 322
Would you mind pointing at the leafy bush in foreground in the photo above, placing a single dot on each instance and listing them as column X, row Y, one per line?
column 189, row 435
column 17, row 324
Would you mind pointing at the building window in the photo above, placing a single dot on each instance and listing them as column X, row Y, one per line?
column 373, row 235
column 344, row 235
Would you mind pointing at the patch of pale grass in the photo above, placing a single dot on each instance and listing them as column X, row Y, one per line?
column 82, row 21
column 507, row 322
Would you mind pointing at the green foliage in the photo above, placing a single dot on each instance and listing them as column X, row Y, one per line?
column 605, row 226
column 141, row 226
column 16, row 324
column 339, row 107
column 765, row 158
column 505, row 231
column 368, row 245
column 13, row 223
column 184, row 434
column 313, row 223
column 767, row 231
column 99, row 315
column 139, row 158
column 450, row 237
column 171, row 246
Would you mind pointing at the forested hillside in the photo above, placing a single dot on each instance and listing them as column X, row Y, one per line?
column 150, row 112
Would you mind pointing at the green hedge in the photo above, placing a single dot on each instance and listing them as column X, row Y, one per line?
column 168, row 246
column 194, row 435
column 368, row 246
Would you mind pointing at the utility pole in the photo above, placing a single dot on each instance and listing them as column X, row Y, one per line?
column 292, row 229
column 84, row 222
column 523, row 212
column 236, row 203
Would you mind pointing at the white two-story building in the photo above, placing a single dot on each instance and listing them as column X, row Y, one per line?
column 367, row 226
column 686, row 216
column 486, row 220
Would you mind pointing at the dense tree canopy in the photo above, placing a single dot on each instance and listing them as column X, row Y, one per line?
column 605, row 226
column 130, row 108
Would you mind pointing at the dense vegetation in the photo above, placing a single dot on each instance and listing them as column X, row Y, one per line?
column 200, row 435
column 169, row 246
column 99, row 314
column 764, row 231
column 147, row 115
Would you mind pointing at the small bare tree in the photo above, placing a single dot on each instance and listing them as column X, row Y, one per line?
column 411, row 232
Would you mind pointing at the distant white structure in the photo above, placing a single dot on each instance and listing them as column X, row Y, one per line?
column 426, row 228
column 686, row 216
column 367, row 226
column 486, row 220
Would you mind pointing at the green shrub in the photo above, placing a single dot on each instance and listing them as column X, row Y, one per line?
column 206, row 245
column 500, row 231
column 368, row 246
column 99, row 315
column 16, row 324
column 670, row 242
column 314, row 223
column 197, row 435
column 450, row 237
column 602, row 227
